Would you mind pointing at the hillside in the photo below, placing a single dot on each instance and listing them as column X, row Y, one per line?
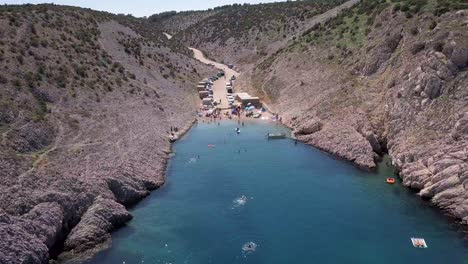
column 87, row 102
column 174, row 22
column 382, row 77
column 244, row 33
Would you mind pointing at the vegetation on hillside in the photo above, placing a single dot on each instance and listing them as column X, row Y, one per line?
column 54, row 46
column 279, row 18
column 348, row 32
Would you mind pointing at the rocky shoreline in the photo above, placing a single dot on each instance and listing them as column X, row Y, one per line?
column 106, row 216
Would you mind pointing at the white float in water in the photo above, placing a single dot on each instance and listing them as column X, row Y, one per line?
column 419, row 242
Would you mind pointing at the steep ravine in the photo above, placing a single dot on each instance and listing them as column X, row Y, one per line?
column 374, row 80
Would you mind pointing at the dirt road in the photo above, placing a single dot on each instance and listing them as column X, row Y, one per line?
column 219, row 86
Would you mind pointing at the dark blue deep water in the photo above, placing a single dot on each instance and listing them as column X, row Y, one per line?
column 303, row 207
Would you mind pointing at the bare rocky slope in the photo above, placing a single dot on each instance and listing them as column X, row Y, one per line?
column 87, row 102
column 381, row 77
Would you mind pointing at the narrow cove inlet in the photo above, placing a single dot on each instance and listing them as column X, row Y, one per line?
column 297, row 204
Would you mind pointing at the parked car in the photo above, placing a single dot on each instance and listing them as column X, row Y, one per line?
column 233, row 77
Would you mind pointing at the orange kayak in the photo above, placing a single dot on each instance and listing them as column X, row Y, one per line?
column 390, row 180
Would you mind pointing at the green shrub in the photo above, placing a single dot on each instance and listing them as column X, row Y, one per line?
column 438, row 46
column 17, row 83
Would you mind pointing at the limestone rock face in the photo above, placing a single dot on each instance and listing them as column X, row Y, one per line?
column 310, row 127
column 28, row 238
column 104, row 216
column 344, row 142
column 382, row 52
column 459, row 57
column 461, row 127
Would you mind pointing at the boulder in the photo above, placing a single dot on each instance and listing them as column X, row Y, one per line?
column 309, row 127
column 433, row 87
column 460, row 128
column 459, row 57
column 127, row 192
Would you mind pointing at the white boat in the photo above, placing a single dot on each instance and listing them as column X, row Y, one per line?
column 276, row 135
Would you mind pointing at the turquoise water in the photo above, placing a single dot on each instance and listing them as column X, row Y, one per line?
column 303, row 206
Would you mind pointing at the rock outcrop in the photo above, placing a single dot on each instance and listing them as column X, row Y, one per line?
column 102, row 217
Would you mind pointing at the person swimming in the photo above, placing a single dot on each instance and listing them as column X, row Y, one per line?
column 249, row 247
column 240, row 201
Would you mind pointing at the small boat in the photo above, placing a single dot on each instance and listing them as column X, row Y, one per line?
column 276, row 135
column 390, row 180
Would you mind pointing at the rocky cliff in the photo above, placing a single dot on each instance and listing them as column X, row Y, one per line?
column 87, row 102
column 381, row 77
